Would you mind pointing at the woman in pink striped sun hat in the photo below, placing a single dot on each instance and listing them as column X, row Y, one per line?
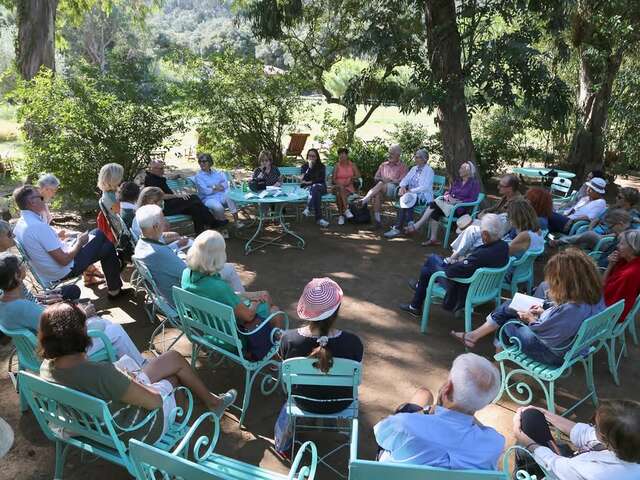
column 319, row 305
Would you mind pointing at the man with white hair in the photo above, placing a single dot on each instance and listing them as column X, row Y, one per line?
column 493, row 253
column 387, row 178
column 444, row 433
column 163, row 262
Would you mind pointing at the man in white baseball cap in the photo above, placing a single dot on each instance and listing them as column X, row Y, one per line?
column 588, row 207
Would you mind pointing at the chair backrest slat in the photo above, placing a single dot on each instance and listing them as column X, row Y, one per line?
column 290, row 174
column 523, row 266
column 300, row 371
column 153, row 291
column 439, row 182
column 208, row 322
column 58, row 407
column 151, row 463
column 25, row 343
column 595, row 330
column 487, row 284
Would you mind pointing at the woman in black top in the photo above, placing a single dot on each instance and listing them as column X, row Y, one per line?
column 313, row 178
column 267, row 171
column 319, row 306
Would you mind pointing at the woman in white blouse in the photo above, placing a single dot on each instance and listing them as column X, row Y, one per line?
column 607, row 450
column 416, row 186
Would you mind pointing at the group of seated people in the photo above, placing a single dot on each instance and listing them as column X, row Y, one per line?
column 439, row 430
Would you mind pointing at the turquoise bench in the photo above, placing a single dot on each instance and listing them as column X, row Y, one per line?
column 522, row 272
column 212, row 326
column 181, row 185
column 74, row 419
column 591, row 337
column 151, row 463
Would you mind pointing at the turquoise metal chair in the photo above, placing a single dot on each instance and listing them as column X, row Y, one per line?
column 290, row 174
column 157, row 305
column 40, row 283
column 212, row 325
column 591, row 337
column 25, row 342
column 485, row 285
column 618, row 332
column 602, row 247
column 522, row 271
column 180, row 186
column 360, row 469
column 344, row 373
column 449, row 221
column 151, row 463
column 329, row 198
column 74, row 419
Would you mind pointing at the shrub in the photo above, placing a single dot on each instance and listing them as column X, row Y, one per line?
column 75, row 125
column 241, row 109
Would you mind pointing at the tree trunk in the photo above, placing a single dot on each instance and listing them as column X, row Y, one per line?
column 443, row 46
column 596, row 82
column 36, row 36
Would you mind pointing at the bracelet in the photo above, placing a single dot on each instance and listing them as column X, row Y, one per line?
column 528, row 447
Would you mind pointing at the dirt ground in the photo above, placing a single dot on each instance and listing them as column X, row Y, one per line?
column 398, row 359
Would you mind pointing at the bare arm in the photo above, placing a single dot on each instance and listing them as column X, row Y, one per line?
column 142, row 396
column 520, row 243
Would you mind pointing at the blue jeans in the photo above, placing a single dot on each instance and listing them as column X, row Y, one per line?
column 434, row 263
column 531, row 345
column 102, row 250
column 405, row 215
column 317, row 190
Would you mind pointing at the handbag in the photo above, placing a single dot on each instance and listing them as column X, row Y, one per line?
column 257, row 185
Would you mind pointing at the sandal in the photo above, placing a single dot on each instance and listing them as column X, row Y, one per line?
column 430, row 243
column 463, row 339
column 92, row 280
column 410, row 229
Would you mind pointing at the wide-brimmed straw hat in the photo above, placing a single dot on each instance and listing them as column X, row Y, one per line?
column 320, row 298
column 408, row 200
column 597, row 184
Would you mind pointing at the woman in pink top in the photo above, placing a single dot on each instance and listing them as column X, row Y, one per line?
column 344, row 175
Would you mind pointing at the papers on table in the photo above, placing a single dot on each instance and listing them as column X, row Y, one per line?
column 523, row 303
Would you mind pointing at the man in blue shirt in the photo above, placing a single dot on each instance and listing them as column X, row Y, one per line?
column 445, row 433
column 163, row 262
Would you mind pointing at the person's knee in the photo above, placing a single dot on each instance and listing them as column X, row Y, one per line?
column 174, row 358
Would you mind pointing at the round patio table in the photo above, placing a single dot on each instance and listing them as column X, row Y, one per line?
column 290, row 194
column 534, row 172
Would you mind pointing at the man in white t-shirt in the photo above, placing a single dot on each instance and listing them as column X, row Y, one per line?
column 588, row 207
column 55, row 260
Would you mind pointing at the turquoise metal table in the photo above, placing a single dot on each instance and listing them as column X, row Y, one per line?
column 269, row 209
column 535, row 172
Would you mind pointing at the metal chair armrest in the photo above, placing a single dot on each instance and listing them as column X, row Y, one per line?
column 108, row 346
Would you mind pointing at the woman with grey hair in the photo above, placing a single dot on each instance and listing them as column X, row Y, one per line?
column 205, row 261
column 621, row 277
column 463, row 189
column 416, row 186
column 48, row 185
column 6, row 236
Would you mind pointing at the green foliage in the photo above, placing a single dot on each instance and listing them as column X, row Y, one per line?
column 624, row 117
column 338, row 78
column 241, row 109
column 366, row 155
column 75, row 125
column 502, row 139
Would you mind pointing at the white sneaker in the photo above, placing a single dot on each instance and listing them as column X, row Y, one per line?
column 227, row 399
column 307, row 213
column 348, row 214
column 323, row 223
column 341, row 220
column 394, row 232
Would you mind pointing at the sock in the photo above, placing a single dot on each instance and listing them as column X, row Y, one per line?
column 377, row 216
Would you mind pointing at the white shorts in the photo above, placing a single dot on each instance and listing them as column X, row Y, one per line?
column 164, row 388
